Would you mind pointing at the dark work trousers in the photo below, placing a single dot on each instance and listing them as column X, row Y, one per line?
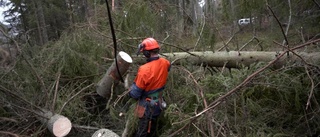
column 143, row 128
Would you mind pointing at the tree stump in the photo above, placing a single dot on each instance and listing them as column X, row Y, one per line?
column 104, row 86
column 105, row 133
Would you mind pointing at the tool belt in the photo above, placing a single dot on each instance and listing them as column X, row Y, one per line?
column 152, row 105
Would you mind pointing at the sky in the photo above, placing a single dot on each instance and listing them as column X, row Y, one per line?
column 1, row 14
column 2, row 9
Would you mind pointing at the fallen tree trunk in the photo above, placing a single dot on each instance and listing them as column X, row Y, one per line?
column 58, row 125
column 235, row 59
column 104, row 86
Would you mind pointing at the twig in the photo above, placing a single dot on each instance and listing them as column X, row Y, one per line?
column 34, row 112
column 203, row 133
column 166, row 37
column 259, row 43
column 225, row 45
column 312, row 88
column 8, row 119
column 220, row 128
column 293, row 52
column 55, row 93
column 316, row 3
column 224, row 66
column 282, row 31
column 65, row 103
column 36, row 74
column 246, row 43
column 288, row 25
column 85, row 127
column 179, row 130
column 125, row 131
column 307, row 121
column 204, row 22
column 199, row 88
column 17, row 96
column 172, row 62
column 177, row 48
column 9, row 133
column 111, row 96
column 119, row 97
column 35, row 133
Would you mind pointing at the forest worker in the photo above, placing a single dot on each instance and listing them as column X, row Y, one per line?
column 148, row 86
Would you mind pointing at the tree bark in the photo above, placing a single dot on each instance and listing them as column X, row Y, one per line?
column 85, row 10
column 42, row 23
column 235, row 59
column 180, row 15
column 104, row 86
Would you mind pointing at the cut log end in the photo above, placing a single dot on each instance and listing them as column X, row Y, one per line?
column 113, row 74
column 105, row 133
column 126, row 57
column 60, row 126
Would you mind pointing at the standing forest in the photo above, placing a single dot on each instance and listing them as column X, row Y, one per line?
column 238, row 67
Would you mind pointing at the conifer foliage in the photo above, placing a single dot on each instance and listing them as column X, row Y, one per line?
column 64, row 47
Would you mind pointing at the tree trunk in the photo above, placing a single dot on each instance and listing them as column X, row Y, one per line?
column 180, row 23
column 84, row 10
column 196, row 16
column 69, row 4
column 111, row 76
column 42, row 23
column 235, row 59
column 58, row 125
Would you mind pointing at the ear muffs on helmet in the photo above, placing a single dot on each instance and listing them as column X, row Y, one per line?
column 141, row 48
column 146, row 53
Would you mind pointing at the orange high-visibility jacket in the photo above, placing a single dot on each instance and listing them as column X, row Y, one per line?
column 151, row 78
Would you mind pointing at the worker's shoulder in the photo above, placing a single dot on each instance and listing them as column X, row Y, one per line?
column 145, row 67
column 164, row 60
column 149, row 65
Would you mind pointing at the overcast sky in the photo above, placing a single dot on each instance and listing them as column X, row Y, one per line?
column 1, row 14
column 2, row 9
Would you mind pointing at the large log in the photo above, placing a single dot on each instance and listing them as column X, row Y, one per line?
column 57, row 124
column 104, row 86
column 235, row 59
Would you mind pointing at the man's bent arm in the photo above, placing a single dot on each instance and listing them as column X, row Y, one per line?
column 135, row 91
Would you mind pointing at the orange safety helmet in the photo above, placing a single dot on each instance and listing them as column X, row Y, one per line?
column 148, row 44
